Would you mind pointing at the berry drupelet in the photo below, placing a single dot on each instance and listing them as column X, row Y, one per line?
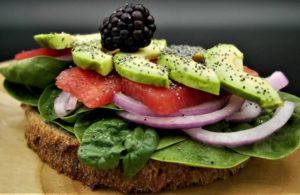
column 128, row 28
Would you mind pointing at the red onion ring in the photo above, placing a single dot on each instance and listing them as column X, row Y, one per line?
column 277, row 80
column 248, row 112
column 248, row 136
column 64, row 103
column 133, row 106
column 203, row 108
column 178, row 122
column 71, row 103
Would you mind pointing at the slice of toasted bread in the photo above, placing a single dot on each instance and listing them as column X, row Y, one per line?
column 58, row 149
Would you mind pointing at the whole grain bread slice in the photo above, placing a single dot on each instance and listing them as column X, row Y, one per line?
column 58, row 149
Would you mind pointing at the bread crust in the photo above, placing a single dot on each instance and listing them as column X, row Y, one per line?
column 58, row 149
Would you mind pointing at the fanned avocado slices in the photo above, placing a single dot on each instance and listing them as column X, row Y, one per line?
column 183, row 69
column 226, row 60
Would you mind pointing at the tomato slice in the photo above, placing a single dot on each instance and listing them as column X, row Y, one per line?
column 165, row 101
column 251, row 71
column 90, row 88
column 42, row 52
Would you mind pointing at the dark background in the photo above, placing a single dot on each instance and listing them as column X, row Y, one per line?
column 266, row 31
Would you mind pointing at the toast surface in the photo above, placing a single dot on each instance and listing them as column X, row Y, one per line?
column 58, row 149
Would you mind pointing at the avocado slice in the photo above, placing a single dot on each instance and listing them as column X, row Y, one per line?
column 226, row 61
column 190, row 73
column 151, row 51
column 141, row 70
column 85, row 38
column 55, row 40
column 88, row 55
column 86, row 49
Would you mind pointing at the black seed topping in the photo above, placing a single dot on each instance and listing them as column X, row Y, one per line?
column 183, row 50
column 128, row 28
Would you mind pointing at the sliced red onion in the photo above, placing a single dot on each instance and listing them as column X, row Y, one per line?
column 248, row 136
column 64, row 103
column 203, row 108
column 178, row 122
column 133, row 106
column 71, row 103
column 248, row 112
column 59, row 104
column 277, row 80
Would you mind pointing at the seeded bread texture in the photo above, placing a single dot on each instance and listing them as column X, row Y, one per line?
column 58, row 149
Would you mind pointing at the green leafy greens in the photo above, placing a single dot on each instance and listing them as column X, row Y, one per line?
column 25, row 94
column 105, row 142
column 46, row 103
column 38, row 71
column 194, row 154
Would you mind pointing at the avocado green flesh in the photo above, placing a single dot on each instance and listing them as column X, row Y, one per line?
column 151, row 51
column 191, row 73
column 223, row 60
column 65, row 40
column 85, row 38
column 55, row 40
column 141, row 70
column 89, row 56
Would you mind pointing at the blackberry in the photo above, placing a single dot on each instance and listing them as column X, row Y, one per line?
column 128, row 28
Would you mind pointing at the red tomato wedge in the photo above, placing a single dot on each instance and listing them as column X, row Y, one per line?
column 165, row 101
column 89, row 87
column 42, row 52
column 250, row 71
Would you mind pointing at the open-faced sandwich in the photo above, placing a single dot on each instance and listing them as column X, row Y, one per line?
column 122, row 110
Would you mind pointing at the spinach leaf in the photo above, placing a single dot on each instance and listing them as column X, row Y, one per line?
column 140, row 144
column 102, row 143
column 169, row 140
column 72, row 117
column 64, row 125
column 278, row 145
column 84, row 121
column 108, row 141
column 46, row 103
column 26, row 95
column 38, row 71
column 281, row 143
column 292, row 98
column 195, row 154
column 111, row 106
